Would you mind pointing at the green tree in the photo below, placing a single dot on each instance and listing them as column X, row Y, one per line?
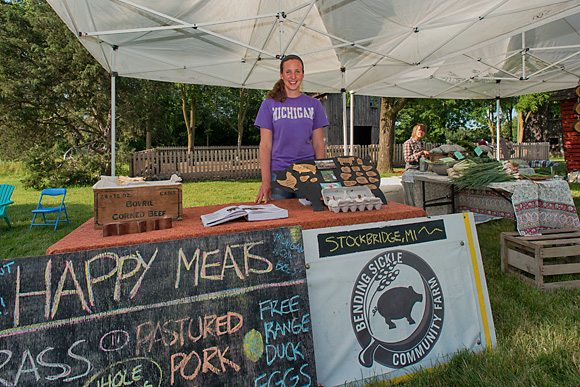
column 444, row 119
column 229, row 113
column 526, row 106
column 57, row 97
column 485, row 115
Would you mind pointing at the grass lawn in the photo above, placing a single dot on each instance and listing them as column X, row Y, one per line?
column 538, row 334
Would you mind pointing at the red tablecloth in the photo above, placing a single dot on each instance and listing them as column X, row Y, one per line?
column 86, row 237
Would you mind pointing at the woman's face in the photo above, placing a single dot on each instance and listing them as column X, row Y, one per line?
column 420, row 133
column 292, row 75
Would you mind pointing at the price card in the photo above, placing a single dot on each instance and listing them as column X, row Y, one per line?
column 478, row 151
column 458, row 155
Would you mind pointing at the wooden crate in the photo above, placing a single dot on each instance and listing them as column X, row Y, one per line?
column 119, row 205
column 540, row 259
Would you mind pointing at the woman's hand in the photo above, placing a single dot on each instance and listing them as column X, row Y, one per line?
column 264, row 193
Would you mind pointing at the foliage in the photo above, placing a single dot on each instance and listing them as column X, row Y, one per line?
column 55, row 95
column 531, row 102
column 46, row 168
column 443, row 118
column 226, row 112
column 52, row 90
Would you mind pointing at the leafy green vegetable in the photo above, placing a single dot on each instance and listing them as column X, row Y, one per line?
column 479, row 175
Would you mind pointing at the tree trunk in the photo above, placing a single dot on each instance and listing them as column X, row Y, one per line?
column 242, row 110
column 243, row 105
column 520, row 138
column 188, row 116
column 390, row 107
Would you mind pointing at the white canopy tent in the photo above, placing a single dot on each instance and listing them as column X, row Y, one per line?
column 395, row 48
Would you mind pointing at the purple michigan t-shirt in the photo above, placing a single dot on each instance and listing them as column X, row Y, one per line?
column 291, row 123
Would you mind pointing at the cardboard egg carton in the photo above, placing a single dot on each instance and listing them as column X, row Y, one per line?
column 346, row 199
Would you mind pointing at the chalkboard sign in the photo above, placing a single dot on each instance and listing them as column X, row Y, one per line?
column 229, row 310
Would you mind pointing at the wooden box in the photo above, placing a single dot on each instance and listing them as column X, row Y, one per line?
column 547, row 261
column 137, row 203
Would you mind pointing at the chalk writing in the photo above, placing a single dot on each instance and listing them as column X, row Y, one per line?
column 204, row 311
column 114, row 341
column 253, row 345
column 214, row 263
column 284, row 323
column 287, row 378
column 31, row 369
column 134, row 372
column 176, row 332
column 347, row 242
column 214, row 360
column 5, row 269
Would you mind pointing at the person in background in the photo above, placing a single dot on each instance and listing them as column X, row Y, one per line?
column 481, row 141
column 291, row 128
column 506, row 149
column 413, row 148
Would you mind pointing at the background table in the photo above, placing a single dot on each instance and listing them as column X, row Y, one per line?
column 86, row 237
column 535, row 205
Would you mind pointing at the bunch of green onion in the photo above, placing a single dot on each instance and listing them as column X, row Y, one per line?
column 469, row 174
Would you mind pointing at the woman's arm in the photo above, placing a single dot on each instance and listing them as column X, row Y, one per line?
column 408, row 155
column 265, row 191
column 318, row 143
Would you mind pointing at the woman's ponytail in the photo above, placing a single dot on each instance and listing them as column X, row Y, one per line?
column 278, row 92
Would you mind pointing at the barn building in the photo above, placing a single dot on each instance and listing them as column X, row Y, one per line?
column 366, row 119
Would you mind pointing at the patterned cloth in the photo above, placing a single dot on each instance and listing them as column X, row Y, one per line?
column 536, row 205
column 544, row 205
column 542, row 163
column 486, row 202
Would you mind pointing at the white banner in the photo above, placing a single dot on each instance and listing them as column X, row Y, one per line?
column 387, row 298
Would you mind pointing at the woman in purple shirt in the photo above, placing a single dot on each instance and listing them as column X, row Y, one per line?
column 290, row 127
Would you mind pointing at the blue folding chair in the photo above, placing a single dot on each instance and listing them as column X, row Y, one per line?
column 43, row 210
column 5, row 193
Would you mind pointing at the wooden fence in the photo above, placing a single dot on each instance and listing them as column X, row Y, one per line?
column 531, row 151
column 227, row 163
column 204, row 163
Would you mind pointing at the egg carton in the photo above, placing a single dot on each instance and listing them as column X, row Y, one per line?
column 346, row 199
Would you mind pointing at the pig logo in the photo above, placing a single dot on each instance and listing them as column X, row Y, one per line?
column 397, row 309
column 397, row 303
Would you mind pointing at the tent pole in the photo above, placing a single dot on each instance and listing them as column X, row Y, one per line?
column 351, row 122
column 497, row 107
column 113, row 128
column 344, row 127
column 523, row 56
